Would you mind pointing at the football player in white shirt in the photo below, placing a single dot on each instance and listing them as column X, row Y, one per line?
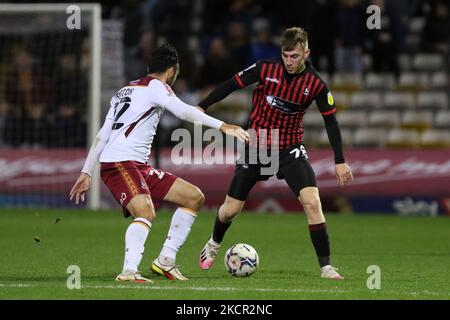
column 123, row 147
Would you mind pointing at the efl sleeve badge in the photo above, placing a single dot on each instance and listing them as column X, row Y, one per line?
column 330, row 99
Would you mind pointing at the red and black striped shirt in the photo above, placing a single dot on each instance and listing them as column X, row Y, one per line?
column 280, row 99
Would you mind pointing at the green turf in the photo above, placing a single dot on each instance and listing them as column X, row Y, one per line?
column 412, row 252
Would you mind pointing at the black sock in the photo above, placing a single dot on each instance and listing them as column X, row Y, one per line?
column 321, row 242
column 219, row 229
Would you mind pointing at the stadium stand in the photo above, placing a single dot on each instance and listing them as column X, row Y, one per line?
column 402, row 138
column 415, row 98
column 369, row 137
column 366, row 100
column 384, row 119
column 435, row 138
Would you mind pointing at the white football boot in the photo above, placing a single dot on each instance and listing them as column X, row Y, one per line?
column 171, row 272
column 329, row 272
column 131, row 276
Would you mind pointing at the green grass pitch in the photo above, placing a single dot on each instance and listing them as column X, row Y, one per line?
column 413, row 254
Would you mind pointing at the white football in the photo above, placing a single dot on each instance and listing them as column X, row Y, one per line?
column 241, row 260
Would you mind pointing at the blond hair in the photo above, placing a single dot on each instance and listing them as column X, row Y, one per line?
column 293, row 36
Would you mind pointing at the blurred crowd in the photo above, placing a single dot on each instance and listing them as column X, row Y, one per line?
column 43, row 91
column 220, row 37
column 215, row 39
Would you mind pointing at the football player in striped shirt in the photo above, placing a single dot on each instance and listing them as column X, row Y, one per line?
column 285, row 88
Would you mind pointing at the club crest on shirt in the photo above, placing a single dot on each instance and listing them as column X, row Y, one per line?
column 143, row 184
column 306, row 92
column 123, row 197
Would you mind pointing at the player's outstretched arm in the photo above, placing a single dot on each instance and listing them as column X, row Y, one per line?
column 235, row 131
column 243, row 79
column 194, row 115
column 222, row 91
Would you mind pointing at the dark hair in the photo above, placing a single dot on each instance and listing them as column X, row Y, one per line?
column 293, row 36
column 162, row 59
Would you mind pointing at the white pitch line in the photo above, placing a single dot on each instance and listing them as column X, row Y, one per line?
column 150, row 287
column 16, row 285
column 214, row 289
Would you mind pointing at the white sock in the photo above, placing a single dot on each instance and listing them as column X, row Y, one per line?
column 135, row 237
column 180, row 227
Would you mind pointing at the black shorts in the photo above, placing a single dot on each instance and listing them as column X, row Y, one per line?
column 293, row 167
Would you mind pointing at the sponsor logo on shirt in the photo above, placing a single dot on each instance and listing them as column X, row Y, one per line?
column 283, row 105
column 272, row 79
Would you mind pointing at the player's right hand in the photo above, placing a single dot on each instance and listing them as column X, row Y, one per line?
column 343, row 174
column 80, row 187
column 235, row 131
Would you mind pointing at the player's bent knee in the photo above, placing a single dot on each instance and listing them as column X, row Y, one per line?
column 150, row 215
column 144, row 212
column 142, row 207
column 199, row 199
column 195, row 200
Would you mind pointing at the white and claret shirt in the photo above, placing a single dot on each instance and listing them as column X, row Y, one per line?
column 132, row 119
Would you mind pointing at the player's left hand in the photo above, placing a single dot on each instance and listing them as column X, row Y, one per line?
column 80, row 187
column 343, row 174
column 235, row 131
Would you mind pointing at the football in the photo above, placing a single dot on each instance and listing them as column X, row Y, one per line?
column 241, row 260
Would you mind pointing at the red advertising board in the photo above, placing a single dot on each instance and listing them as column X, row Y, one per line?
column 377, row 173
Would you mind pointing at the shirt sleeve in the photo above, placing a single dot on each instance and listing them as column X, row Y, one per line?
column 159, row 92
column 99, row 144
column 334, row 136
column 327, row 108
column 240, row 80
column 325, row 102
column 248, row 76
column 190, row 113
